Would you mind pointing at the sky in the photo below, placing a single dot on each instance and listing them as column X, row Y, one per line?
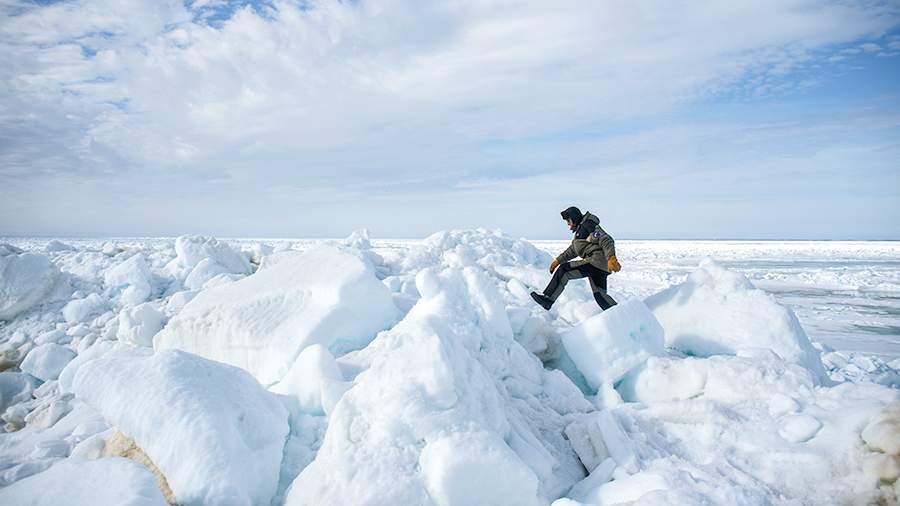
column 757, row 119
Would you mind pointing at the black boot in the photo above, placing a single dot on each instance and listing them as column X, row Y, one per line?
column 542, row 299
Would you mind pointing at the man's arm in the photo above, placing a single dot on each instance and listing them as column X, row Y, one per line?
column 567, row 255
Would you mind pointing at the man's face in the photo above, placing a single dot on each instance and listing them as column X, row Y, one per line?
column 571, row 223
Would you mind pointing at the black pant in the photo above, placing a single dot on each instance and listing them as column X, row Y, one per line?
column 576, row 270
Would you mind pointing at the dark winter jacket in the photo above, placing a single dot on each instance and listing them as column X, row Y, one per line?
column 591, row 243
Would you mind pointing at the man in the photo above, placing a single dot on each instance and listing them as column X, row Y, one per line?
column 598, row 252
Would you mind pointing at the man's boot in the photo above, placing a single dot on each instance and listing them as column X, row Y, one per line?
column 542, row 299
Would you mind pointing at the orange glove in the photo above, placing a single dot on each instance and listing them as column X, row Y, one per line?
column 613, row 264
column 553, row 265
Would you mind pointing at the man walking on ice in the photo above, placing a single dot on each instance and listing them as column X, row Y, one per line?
column 598, row 252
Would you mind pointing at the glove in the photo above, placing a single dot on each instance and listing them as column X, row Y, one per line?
column 613, row 264
column 553, row 265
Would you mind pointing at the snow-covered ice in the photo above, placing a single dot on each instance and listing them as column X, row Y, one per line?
column 328, row 296
column 25, row 278
column 46, row 361
column 605, row 347
column 717, row 311
column 370, row 371
column 82, row 482
column 212, row 430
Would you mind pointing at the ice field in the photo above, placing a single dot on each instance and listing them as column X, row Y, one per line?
column 369, row 371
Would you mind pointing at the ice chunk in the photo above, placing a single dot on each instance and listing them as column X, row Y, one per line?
column 192, row 250
column 307, row 379
column 46, row 361
column 600, row 475
column 780, row 404
column 628, row 489
column 664, row 379
column 446, row 397
column 178, row 300
column 110, row 249
column 81, row 482
column 139, row 324
column 717, row 311
column 358, row 239
column 56, row 245
column 25, row 280
column 328, row 296
column 607, row 346
column 15, row 387
column 9, row 249
column 216, row 435
column 883, row 433
column 799, row 428
column 587, row 441
column 79, row 310
column 476, row 468
column 722, row 378
column 131, row 279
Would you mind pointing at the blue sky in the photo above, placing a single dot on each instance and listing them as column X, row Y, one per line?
column 763, row 119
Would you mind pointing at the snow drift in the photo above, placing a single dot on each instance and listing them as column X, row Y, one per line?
column 328, row 296
column 216, row 435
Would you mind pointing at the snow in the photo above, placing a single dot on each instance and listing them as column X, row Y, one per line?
column 799, row 428
column 883, row 433
column 310, row 378
column 216, row 435
column 629, row 489
column 15, row 387
column 476, row 468
column 214, row 255
column 81, row 482
column 25, row 279
column 454, row 387
column 448, row 379
column 46, row 361
column 139, row 324
column 132, row 278
column 55, row 246
column 717, row 311
column 605, row 347
column 79, row 310
column 328, row 296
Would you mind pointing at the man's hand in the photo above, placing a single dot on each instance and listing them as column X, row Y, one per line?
column 613, row 264
column 553, row 265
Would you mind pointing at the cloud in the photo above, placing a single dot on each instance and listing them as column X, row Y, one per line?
column 343, row 100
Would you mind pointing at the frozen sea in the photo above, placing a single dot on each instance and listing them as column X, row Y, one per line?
column 846, row 293
column 401, row 371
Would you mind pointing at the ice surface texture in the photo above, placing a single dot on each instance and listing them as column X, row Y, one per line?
column 717, row 311
column 328, row 296
column 216, row 435
column 25, row 278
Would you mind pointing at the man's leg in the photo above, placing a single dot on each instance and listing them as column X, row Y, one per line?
column 565, row 273
column 598, row 286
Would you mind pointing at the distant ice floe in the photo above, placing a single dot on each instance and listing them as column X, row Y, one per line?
column 360, row 371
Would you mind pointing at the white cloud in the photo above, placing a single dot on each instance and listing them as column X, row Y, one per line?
column 346, row 94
